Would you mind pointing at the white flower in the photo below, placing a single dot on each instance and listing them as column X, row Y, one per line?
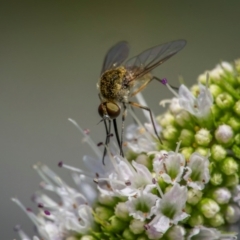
column 138, row 139
column 203, row 233
column 224, row 134
column 140, row 206
column 170, row 167
column 200, row 106
column 128, row 179
column 170, row 209
column 222, row 195
column 197, row 174
column 175, row 107
column 55, row 221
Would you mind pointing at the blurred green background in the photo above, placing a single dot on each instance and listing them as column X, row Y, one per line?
column 51, row 54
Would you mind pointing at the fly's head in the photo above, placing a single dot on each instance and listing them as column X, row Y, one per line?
column 109, row 110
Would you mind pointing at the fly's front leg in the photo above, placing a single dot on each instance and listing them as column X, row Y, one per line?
column 123, row 121
column 151, row 116
column 117, row 136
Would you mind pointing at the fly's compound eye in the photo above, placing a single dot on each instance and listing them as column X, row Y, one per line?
column 112, row 110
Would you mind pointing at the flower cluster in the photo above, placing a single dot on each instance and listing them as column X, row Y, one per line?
column 186, row 188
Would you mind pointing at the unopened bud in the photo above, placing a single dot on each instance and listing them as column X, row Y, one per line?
column 128, row 234
column 229, row 166
column 186, row 152
column 107, row 200
column 194, row 196
column 196, row 219
column 175, row 232
column 232, row 213
column 218, row 153
column 209, row 208
column 116, row 225
column 137, row 226
column 203, row 137
column 222, row 195
column 224, row 101
column 121, row 211
column 170, row 133
column 186, row 137
column 103, row 213
column 232, row 180
column 224, row 134
column 217, row 220
column 215, row 90
column 166, row 120
column 216, row 178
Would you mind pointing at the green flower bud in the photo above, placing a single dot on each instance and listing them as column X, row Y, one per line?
column 221, row 195
column 187, row 152
column 128, row 235
column 215, row 90
column 84, row 238
column 103, row 213
column 186, row 137
column 232, row 180
column 183, row 118
column 137, row 226
column 194, row 196
column 224, row 101
column 166, row 120
column 218, row 153
column 229, row 166
column 203, row 137
column 224, row 134
column 170, row 133
column 237, row 139
column 209, row 208
column 236, row 108
column 175, row 232
column 202, row 78
column 216, row 179
column 217, row 220
column 107, row 200
column 234, row 123
column 232, row 213
column 116, row 225
column 203, row 151
column 195, row 90
column 236, row 151
column 196, row 219
column 121, row 211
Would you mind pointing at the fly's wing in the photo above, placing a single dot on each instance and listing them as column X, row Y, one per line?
column 115, row 56
column 146, row 61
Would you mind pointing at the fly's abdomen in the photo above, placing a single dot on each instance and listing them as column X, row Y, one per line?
column 111, row 83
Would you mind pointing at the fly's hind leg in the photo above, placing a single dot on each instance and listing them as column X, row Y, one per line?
column 151, row 116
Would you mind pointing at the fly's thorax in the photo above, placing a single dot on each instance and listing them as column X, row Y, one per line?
column 113, row 85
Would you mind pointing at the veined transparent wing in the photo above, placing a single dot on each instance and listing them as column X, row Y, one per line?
column 153, row 57
column 115, row 56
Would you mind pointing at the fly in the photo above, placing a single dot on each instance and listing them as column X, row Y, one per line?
column 120, row 81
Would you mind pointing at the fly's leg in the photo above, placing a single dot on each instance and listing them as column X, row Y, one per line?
column 107, row 140
column 151, row 117
column 123, row 121
column 117, row 136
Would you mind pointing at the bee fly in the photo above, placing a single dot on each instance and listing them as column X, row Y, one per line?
column 119, row 82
